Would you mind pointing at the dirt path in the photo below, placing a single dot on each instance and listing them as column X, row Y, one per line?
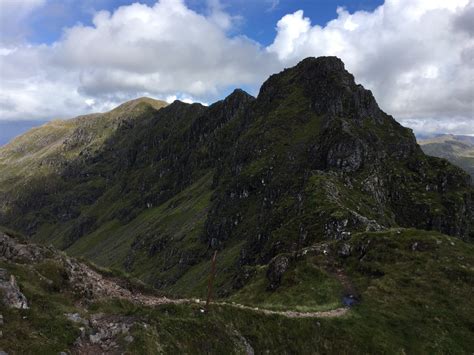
column 90, row 284
column 110, row 289
column 338, row 312
column 103, row 287
column 99, row 286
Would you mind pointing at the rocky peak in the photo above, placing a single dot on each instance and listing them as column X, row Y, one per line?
column 235, row 101
column 330, row 87
column 225, row 110
column 239, row 95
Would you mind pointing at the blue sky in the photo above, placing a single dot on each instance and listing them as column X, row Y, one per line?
column 258, row 17
column 62, row 58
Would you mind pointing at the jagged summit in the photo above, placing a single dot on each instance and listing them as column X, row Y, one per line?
column 331, row 88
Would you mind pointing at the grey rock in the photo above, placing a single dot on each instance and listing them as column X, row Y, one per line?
column 12, row 297
column 15, row 251
column 345, row 250
column 277, row 267
column 76, row 318
column 95, row 338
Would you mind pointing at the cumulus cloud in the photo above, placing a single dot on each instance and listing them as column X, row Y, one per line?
column 160, row 51
column 415, row 55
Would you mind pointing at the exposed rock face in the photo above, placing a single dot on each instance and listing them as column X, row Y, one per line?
column 81, row 279
column 276, row 268
column 345, row 250
column 10, row 292
column 12, row 250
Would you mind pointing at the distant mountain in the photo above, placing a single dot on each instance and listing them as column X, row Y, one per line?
column 458, row 149
column 309, row 193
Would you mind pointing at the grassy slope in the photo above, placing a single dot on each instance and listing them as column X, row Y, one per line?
column 415, row 298
column 182, row 217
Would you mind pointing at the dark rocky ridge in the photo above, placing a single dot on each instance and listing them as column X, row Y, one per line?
column 311, row 158
column 348, row 141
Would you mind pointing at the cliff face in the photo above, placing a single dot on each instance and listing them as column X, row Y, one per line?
column 312, row 158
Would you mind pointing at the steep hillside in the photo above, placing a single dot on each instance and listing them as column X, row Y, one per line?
column 459, row 150
column 311, row 159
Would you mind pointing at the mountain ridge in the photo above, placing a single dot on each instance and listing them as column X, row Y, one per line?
column 315, row 201
column 312, row 158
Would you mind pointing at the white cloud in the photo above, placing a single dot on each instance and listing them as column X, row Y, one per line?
column 138, row 50
column 220, row 17
column 162, row 49
column 415, row 55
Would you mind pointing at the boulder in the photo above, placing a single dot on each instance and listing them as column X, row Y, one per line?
column 345, row 250
column 276, row 268
column 10, row 292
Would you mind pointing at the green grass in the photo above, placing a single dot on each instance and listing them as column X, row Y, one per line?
column 306, row 287
column 178, row 222
column 42, row 329
column 414, row 298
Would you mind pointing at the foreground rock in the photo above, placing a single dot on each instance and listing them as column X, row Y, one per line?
column 277, row 267
column 11, row 295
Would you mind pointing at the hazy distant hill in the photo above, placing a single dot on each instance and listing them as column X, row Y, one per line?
column 458, row 149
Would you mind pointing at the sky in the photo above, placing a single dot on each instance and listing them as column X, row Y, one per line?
column 62, row 58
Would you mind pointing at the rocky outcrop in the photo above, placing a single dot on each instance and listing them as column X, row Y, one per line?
column 105, row 333
column 13, row 250
column 10, row 293
column 276, row 268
